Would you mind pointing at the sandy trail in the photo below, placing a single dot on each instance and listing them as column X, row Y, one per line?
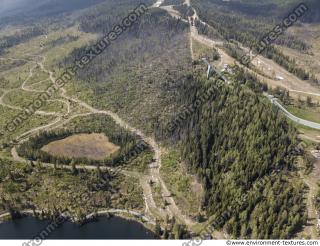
column 265, row 65
column 154, row 168
column 289, row 82
column 24, row 87
column 154, row 173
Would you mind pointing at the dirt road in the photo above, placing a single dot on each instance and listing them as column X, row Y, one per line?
column 154, row 173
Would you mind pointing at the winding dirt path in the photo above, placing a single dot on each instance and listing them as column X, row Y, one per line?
column 291, row 83
column 2, row 103
column 24, row 87
column 154, row 167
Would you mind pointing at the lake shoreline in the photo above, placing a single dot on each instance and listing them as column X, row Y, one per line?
column 149, row 224
column 101, row 218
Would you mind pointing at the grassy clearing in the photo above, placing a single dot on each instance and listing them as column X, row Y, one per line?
column 92, row 146
column 309, row 136
column 304, row 97
column 141, row 161
column 187, row 193
column 309, row 60
column 40, row 85
column 8, row 115
column 20, row 98
column 200, row 50
column 55, row 106
column 14, row 73
column 37, row 76
column 13, row 78
column 23, row 99
column 57, row 53
column 307, row 113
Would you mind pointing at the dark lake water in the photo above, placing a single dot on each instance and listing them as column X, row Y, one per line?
column 104, row 228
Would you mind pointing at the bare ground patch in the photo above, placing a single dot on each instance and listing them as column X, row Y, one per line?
column 92, row 146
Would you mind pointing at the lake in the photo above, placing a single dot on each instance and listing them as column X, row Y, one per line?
column 103, row 228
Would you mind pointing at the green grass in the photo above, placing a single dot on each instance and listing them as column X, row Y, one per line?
column 20, row 98
column 8, row 115
column 37, row 75
column 200, row 50
column 141, row 161
column 23, row 99
column 14, row 77
column 40, row 85
column 311, row 114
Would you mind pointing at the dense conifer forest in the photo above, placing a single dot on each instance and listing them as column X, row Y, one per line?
column 235, row 142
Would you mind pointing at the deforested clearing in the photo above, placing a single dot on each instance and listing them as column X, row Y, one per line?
column 92, row 146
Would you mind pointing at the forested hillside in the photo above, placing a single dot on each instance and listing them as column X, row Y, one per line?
column 246, row 28
column 102, row 17
column 271, row 9
column 20, row 37
column 248, row 22
column 140, row 75
column 243, row 151
column 234, row 141
column 228, row 141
